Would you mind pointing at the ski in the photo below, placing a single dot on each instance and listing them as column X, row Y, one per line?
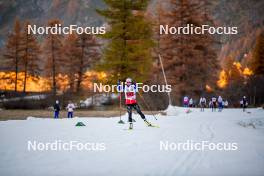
column 154, row 126
column 127, row 129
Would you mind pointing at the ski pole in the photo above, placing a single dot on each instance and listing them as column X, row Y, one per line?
column 120, row 102
column 120, row 105
column 147, row 106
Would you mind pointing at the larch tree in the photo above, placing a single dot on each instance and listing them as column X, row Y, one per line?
column 30, row 55
column 258, row 56
column 81, row 52
column 190, row 61
column 53, row 51
column 71, row 51
column 12, row 52
column 128, row 53
column 87, row 55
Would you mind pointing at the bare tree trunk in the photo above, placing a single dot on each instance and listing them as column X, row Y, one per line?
column 80, row 72
column 25, row 77
column 16, row 68
column 53, row 68
column 26, row 65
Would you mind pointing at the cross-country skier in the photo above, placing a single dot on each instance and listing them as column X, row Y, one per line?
column 202, row 103
column 130, row 91
column 213, row 104
column 56, row 108
column 244, row 103
column 185, row 101
column 220, row 103
column 191, row 103
column 70, row 107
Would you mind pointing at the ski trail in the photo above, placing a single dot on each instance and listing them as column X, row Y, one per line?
column 192, row 159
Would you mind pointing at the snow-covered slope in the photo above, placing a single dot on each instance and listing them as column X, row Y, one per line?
column 137, row 152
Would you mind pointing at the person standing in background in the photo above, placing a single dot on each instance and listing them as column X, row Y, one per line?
column 191, row 103
column 226, row 103
column 202, row 103
column 185, row 101
column 244, row 103
column 213, row 104
column 70, row 107
column 220, row 103
column 56, row 108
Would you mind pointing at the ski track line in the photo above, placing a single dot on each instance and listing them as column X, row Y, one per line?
column 197, row 157
column 182, row 164
column 194, row 158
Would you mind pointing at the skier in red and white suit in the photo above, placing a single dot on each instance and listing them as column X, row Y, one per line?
column 130, row 91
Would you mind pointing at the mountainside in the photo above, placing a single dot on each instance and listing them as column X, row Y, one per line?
column 247, row 15
column 80, row 12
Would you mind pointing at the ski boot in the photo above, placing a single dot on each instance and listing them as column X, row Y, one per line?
column 147, row 123
column 130, row 126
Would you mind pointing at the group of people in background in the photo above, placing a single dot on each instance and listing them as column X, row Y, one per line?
column 70, row 108
column 213, row 104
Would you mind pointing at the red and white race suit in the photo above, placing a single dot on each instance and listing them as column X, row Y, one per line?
column 130, row 94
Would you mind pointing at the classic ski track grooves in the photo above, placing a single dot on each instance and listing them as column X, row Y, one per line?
column 192, row 159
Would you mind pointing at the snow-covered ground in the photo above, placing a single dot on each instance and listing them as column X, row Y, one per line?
column 137, row 152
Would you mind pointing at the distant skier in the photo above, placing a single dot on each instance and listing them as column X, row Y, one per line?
column 130, row 91
column 220, row 103
column 244, row 103
column 56, row 108
column 210, row 104
column 202, row 103
column 241, row 103
column 226, row 103
column 185, row 101
column 191, row 103
column 70, row 107
column 213, row 104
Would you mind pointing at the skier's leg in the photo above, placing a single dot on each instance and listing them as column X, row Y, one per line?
column 129, row 111
column 56, row 114
column 137, row 108
column 215, row 107
column 70, row 114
